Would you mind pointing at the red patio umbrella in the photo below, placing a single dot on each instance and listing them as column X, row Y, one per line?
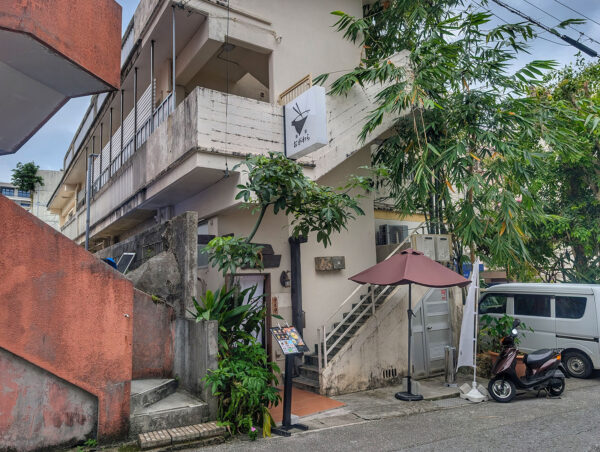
column 408, row 267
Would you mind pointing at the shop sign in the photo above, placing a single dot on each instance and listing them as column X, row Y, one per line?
column 305, row 123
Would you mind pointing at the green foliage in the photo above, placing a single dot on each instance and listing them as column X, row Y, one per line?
column 230, row 253
column 493, row 329
column 25, row 177
column 278, row 182
column 238, row 321
column 567, row 245
column 468, row 135
column 245, row 386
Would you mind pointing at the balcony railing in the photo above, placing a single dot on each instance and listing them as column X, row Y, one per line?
column 149, row 123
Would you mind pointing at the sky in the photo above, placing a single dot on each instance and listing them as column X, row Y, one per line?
column 48, row 146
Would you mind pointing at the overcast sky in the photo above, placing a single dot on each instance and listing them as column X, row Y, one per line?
column 48, row 146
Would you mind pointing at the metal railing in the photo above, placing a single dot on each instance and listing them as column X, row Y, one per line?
column 364, row 302
column 160, row 114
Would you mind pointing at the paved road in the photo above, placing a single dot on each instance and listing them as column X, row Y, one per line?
column 528, row 423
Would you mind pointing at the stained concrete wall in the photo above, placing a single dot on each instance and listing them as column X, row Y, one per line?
column 69, row 314
column 165, row 260
column 50, row 410
column 380, row 344
column 153, row 337
column 196, row 352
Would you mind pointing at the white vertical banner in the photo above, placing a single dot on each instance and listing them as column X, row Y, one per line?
column 468, row 334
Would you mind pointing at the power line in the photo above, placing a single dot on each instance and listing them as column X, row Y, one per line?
column 577, row 12
column 567, row 39
column 559, row 21
column 506, row 22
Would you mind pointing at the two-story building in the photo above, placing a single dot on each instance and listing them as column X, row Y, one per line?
column 203, row 85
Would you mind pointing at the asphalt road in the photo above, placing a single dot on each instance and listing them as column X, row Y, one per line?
column 569, row 423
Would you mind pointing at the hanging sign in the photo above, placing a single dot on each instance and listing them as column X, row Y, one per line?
column 289, row 340
column 305, row 123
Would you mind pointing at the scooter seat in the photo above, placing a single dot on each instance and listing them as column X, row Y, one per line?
column 538, row 357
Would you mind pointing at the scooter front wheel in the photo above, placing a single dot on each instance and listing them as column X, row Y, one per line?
column 501, row 390
column 556, row 386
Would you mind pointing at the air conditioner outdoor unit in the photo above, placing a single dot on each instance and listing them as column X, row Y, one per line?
column 434, row 246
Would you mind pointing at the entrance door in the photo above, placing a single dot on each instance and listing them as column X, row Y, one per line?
column 247, row 281
column 433, row 333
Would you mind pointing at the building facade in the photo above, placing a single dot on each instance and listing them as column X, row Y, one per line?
column 203, row 85
column 22, row 198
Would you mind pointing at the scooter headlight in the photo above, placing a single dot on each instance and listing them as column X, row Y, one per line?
column 514, row 332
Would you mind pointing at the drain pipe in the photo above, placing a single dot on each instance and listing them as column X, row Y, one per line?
column 296, row 280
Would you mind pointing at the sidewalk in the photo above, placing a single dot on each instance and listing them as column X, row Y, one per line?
column 380, row 403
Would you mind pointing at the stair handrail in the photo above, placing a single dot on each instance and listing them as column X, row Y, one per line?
column 322, row 334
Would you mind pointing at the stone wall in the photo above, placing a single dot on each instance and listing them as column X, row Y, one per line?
column 165, row 263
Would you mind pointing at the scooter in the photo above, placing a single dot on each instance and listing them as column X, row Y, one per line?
column 544, row 371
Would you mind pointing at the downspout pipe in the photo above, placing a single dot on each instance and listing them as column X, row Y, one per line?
column 296, row 282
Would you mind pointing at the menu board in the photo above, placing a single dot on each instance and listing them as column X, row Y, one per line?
column 289, row 340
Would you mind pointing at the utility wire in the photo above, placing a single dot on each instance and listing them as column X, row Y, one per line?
column 577, row 12
column 567, row 39
column 559, row 21
column 506, row 22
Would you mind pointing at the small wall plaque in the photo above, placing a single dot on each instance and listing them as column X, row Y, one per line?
column 330, row 263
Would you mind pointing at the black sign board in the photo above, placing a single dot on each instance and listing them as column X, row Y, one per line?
column 289, row 340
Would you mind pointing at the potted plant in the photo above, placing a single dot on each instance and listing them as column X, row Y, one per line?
column 491, row 332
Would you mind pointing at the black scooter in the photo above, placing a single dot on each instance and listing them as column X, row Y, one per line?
column 544, row 371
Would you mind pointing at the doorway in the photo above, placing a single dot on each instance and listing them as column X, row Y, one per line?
column 262, row 282
column 432, row 332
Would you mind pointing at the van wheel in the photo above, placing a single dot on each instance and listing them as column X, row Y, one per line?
column 577, row 364
column 502, row 391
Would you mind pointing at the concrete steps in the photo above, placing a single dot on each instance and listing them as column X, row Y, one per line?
column 157, row 404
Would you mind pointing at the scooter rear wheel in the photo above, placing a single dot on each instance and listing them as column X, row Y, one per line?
column 556, row 388
column 501, row 390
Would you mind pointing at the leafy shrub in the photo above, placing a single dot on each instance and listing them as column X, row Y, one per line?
column 493, row 329
column 239, row 321
column 245, row 386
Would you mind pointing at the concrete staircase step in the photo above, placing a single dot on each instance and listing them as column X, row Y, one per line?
column 207, row 433
column 307, row 384
column 148, row 391
column 176, row 410
column 308, row 371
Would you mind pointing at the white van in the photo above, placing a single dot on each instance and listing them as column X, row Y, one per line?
column 562, row 316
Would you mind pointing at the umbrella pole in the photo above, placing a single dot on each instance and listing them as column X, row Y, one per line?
column 408, row 396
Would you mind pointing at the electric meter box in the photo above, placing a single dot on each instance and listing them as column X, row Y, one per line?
column 434, row 246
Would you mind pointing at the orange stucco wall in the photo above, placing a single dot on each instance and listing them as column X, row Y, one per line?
column 87, row 32
column 66, row 312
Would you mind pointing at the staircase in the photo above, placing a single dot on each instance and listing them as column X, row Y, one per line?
column 157, row 404
column 352, row 313
column 341, row 332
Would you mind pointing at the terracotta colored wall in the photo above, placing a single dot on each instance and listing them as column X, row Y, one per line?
column 84, row 31
column 153, row 337
column 66, row 312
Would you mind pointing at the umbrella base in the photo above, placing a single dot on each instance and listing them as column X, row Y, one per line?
column 408, row 397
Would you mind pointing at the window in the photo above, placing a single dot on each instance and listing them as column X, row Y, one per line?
column 570, row 307
column 7, row 191
column 25, row 204
column 24, row 194
column 493, row 303
column 534, row 305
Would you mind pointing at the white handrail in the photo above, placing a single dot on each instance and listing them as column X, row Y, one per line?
column 324, row 336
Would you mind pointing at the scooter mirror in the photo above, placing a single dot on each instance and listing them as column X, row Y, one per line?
column 516, row 323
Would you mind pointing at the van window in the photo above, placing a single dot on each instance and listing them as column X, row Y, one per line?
column 570, row 307
column 493, row 303
column 534, row 305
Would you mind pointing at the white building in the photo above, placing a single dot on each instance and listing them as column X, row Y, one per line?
column 168, row 141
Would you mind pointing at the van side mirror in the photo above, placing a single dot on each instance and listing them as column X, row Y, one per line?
column 516, row 323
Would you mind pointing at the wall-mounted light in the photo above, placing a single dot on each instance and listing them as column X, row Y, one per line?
column 284, row 279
